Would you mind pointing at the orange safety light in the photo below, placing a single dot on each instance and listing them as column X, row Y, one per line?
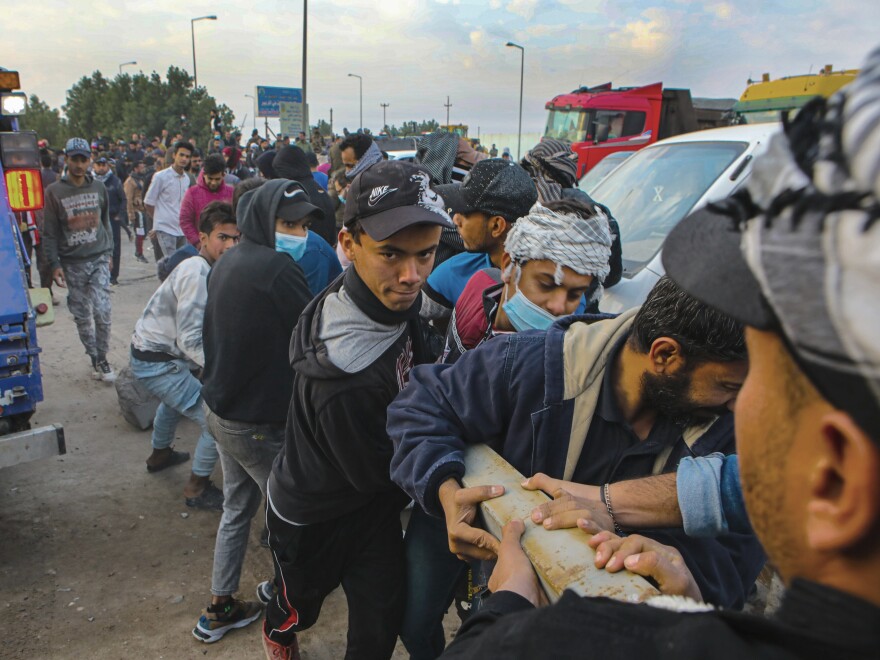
column 25, row 189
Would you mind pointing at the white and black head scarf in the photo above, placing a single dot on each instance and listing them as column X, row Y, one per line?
column 582, row 244
column 553, row 167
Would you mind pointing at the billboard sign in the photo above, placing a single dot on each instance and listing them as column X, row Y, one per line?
column 290, row 116
column 269, row 98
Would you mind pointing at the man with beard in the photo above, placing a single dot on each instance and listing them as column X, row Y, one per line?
column 210, row 187
column 595, row 400
column 794, row 257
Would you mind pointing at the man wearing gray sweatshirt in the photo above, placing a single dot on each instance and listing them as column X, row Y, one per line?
column 78, row 244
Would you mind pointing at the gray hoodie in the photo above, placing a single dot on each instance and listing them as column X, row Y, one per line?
column 76, row 222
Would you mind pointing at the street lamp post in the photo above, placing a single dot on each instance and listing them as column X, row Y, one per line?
column 126, row 64
column 361, row 87
column 251, row 96
column 192, row 26
column 384, row 120
column 522, row 65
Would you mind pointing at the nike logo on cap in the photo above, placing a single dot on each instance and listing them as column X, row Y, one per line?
column 379, row 193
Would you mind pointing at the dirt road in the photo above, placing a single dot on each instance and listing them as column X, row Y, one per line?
column 98, row 558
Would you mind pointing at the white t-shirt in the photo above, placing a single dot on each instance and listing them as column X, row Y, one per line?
column 166, row 195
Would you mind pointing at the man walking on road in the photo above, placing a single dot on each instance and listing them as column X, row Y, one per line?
column 134, row 195
column 116, row 197
column 334, row 514
column 165, row 196
column 78, row 244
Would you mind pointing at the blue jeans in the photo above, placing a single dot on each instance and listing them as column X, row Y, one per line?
column 247, row 452
column 180, row 394
column 432, row 573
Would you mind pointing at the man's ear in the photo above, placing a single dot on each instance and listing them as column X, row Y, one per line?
column 665, row 355
column 843, row 512
column 505, row 267
column 346, row 240
column 497, row 226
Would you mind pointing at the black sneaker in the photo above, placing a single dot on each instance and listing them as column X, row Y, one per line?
column 211, row 498
column 217, row 620
column 103, row 370
column 141, row 258
column 114, row 281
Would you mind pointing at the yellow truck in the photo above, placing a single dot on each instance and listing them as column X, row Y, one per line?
column 764, row 99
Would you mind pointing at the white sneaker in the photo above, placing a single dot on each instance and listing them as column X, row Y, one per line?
column 104, row 372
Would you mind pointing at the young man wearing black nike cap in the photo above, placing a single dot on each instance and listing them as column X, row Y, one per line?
column 334, row 513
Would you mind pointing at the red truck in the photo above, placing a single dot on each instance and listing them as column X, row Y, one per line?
column 601, row 120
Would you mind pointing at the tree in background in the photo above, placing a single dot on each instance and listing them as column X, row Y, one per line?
column 46, row 121
column 129, row 104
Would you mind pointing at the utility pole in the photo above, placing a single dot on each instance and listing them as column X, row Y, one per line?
column 522, row 68
column 384, row 121
column 448, row 105
column 361, row 97
column 331, row 122
column 305, row 68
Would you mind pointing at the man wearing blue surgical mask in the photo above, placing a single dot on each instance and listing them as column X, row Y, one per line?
column 313, row 254
column 254, row 302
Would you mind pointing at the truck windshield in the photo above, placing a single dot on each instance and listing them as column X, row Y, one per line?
column 654, row 189
column 570, row 125
column 593, row 125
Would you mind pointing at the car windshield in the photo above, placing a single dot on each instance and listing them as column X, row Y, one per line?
column 652, row 191
column 602, row 169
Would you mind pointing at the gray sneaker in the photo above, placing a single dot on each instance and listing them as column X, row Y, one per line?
column 211, row 498
column 218, row 620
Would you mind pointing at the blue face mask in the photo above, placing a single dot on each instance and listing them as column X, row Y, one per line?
column 295, row 246
column 523, row 314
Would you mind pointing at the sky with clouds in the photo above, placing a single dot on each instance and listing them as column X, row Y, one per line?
column 413, row 53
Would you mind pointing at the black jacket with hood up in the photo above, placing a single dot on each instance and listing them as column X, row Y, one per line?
column 255, row 297
column 290, row 163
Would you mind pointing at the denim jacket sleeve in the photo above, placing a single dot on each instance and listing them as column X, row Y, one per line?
column 710, row 496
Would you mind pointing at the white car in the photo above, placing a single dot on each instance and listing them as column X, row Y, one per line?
column 651, row 191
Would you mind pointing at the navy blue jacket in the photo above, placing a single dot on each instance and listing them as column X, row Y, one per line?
column 509, row 394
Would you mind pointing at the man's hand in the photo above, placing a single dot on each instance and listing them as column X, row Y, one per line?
column 549, row 485
column 513, row 571
column 58, row 277
column 460, row 506
column 567, row 511
column 648, row 558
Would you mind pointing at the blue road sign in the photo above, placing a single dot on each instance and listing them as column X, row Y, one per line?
column 268, row 99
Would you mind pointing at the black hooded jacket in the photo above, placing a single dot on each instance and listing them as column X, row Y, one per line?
column 255, row 297
column 337, row 453
column 290, row 163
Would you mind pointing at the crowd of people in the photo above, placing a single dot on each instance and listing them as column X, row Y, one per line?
column 339, row 340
